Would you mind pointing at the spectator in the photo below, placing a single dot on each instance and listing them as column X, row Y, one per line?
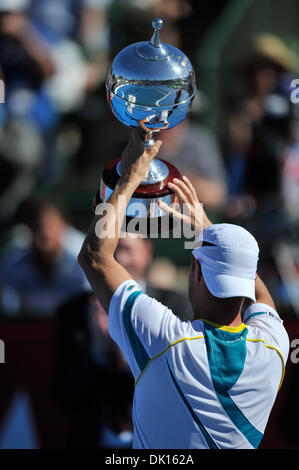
column 258, row 131
column 194, row 150
column 130, row 21
column 256, row 149
column 22, row 152
column 92, row 383
column 290, row 174
column 77, row 33
column 35, row 279
column 26, row 63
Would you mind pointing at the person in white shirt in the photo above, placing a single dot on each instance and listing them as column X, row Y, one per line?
column 209, row 383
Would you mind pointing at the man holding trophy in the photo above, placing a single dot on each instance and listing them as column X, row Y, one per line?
column 206, row 383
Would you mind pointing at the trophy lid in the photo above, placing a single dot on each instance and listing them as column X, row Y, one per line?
column 154, row 49
column 151, row 74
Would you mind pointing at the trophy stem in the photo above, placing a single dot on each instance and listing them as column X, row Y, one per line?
column 149, row 141
column 158, row 171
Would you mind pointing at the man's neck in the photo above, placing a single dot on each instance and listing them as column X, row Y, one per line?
column 222, row 316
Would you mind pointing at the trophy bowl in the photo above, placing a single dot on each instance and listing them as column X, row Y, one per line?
column 150, row 84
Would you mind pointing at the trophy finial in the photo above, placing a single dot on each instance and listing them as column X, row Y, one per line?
column 157, row 24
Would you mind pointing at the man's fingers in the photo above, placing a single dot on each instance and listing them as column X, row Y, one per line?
column 137, row 138
column 170, row 210
column 154, row 150
column 173, row 212
column 190, row 186
column 177, row 190
column 184, row 188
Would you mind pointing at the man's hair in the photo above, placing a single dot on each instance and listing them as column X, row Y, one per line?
column 30, row 210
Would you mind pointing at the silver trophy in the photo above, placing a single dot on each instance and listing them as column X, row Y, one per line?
column 150, row 84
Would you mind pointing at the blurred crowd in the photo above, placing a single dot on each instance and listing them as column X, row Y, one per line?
column 56, row 131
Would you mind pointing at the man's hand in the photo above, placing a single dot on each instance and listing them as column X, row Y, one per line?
column 135, row 162
column 136, row 159
column 191, row 210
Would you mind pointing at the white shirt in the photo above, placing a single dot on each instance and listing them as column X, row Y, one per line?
column 198, row 385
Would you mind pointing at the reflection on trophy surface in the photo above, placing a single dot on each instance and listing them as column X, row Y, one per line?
column 151, row 85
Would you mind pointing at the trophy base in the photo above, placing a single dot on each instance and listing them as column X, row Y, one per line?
column 143, row 214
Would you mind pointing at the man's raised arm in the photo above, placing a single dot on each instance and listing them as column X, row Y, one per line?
column 262, row 294
column 96, row 257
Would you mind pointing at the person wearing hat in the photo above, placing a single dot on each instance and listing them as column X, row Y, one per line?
column 209, row 383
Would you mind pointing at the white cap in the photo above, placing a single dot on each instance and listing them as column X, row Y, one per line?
column 229, row 263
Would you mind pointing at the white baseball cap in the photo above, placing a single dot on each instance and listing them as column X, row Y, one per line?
column 229, row 261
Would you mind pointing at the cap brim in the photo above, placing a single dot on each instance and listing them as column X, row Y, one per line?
column 224, row 286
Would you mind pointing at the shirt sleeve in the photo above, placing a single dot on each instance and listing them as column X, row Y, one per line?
column 141, row 326
column 268, row 326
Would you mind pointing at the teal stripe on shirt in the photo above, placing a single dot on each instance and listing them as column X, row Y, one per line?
column 226, row 356
column 210, row 442
column 255, row 314
column 140, row 354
